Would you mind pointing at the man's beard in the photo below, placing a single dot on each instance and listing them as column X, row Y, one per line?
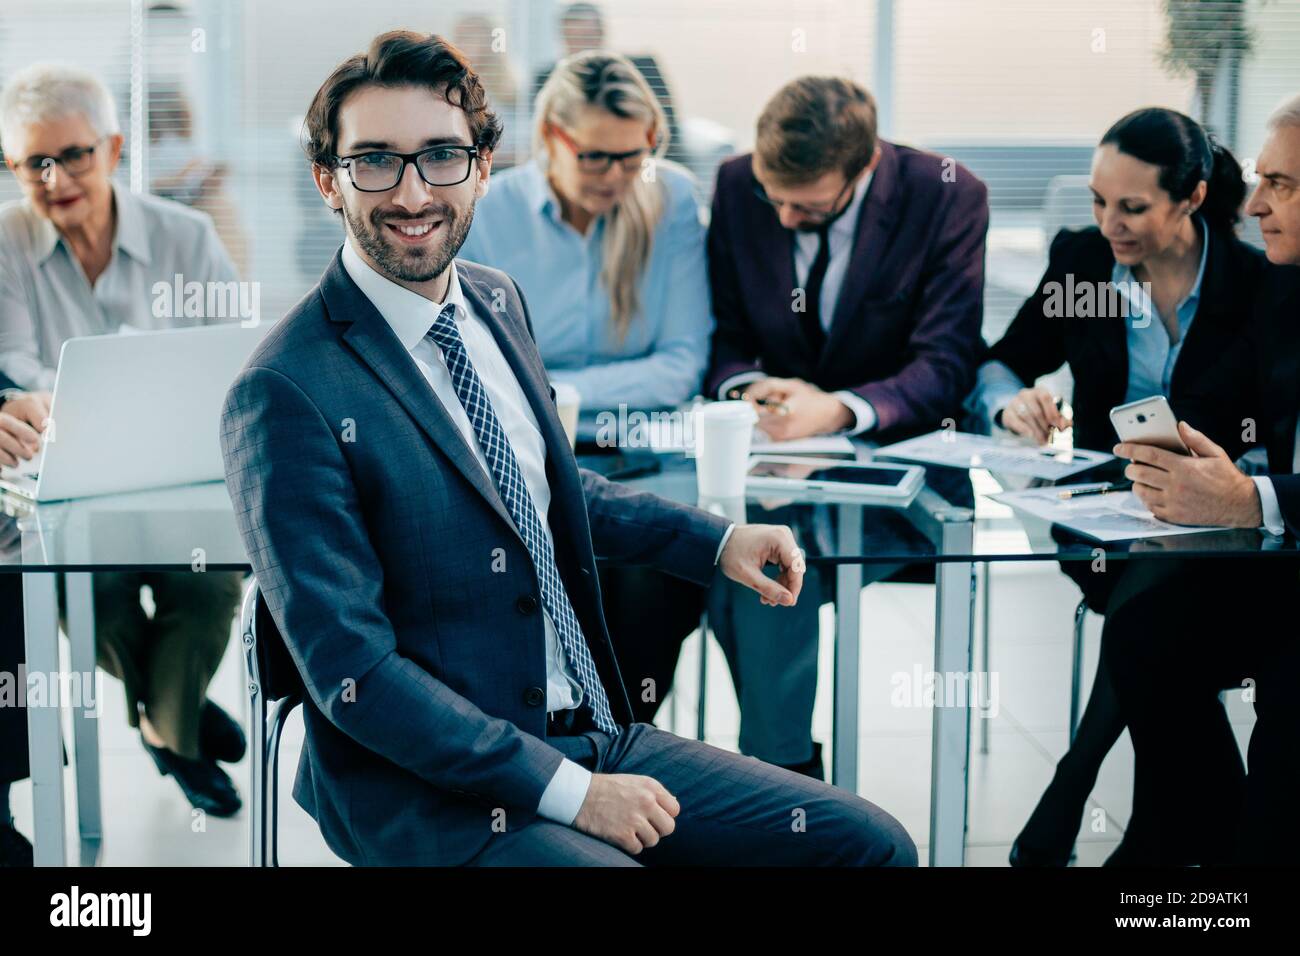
column 411, row 264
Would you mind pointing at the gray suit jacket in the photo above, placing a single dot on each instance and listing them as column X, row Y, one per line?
column 404, row 593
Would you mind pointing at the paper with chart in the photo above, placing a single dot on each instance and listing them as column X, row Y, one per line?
column 1114, row 516
column 1006, row 456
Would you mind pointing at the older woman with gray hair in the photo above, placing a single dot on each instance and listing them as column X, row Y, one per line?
column 79, row 255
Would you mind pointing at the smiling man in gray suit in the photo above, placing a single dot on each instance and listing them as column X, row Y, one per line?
column 426, row 542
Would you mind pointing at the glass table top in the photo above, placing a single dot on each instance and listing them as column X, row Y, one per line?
column 951, row 519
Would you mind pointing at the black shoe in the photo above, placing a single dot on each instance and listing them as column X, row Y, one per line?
column 205, row 784
column 220, row 737
column 811, row 767
column 15, row 849
column 1048, row 837
column 1125, row 855
column 1030, row 856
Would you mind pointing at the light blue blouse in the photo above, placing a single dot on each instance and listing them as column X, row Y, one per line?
column 517, row 228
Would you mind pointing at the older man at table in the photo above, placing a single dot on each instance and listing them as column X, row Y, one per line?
column 80, row 256
column 1206, row 625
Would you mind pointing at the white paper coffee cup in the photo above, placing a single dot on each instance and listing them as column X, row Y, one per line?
column 568, row 400
column 723, row 433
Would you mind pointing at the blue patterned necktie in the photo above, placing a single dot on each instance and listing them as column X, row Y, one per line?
column 510, row 483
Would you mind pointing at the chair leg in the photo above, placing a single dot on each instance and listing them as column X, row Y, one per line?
column 257, row 760
column 257, row 755
column 986, row 640
column 1076, row 677
column 703, row 681
column 279, row 715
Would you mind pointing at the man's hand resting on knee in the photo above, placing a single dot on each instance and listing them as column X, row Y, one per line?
column 627, row 810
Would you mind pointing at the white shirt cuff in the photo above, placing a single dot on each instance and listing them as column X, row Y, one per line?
column 863, row 414
column 743, row 378
column 722, row 545
column 563, row 796
column 1268, row 505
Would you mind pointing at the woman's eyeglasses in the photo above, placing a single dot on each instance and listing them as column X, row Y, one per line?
column 75, row 161
column 599, row 161
column 378, row 172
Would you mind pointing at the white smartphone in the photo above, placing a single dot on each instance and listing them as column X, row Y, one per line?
column 1148, row 421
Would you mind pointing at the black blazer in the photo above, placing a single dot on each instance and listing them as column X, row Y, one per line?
column 1257, row 381
column 1096, row 349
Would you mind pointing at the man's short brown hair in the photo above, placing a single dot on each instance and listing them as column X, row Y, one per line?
column 813, row 125
column 400, row 58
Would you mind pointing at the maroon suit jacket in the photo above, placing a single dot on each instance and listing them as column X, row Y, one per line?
column 906, row 328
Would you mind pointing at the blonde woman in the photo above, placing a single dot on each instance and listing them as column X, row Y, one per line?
column 604, row 239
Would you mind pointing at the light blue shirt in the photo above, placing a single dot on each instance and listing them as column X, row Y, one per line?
column 1151, row 355
column 518, row 228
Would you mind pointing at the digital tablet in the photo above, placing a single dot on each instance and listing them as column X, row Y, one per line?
column 827, row 478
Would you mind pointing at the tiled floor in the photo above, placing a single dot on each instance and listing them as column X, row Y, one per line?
column 147, row 821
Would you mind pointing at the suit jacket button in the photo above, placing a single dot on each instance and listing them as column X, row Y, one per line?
column 526, row 604
column 534, row 697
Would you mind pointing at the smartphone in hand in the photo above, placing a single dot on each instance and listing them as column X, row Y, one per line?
column 1148, row 421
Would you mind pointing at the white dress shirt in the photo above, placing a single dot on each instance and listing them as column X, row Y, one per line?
column 1268, row 505
column 411, row 316
column 840, row 236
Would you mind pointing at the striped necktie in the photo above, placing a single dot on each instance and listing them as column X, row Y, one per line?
column 510, row 483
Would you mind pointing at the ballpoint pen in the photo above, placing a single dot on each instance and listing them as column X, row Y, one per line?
column 1051, row 429
column 781, row 408
column 1100, row 490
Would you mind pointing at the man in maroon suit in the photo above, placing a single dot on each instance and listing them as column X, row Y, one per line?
column 848, row 281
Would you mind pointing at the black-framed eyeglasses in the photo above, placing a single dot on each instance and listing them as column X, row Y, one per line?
column 812, row 215
column 598, row 160
column 75, row 161
column 377, row 172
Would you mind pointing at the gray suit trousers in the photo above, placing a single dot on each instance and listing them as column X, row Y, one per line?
column 735, row 811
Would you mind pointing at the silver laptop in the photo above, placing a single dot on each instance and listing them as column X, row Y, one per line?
column 135, row 411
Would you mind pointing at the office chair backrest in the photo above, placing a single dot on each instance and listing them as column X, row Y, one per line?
column 277, row 672
column 1066, row 205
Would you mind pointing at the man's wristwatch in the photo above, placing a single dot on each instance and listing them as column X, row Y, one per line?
column 997, row 418
column 9, row 393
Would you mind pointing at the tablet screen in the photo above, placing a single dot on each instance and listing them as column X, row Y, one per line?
column 856, row 474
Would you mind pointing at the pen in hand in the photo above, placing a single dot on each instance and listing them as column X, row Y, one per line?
column 779, row 407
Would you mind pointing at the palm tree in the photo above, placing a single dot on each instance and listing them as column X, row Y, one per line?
column 1204, row 38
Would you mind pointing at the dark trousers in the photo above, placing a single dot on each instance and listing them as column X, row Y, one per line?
column 1197, row 628
column 165, row 661
column 735, row 811
column 13, row 720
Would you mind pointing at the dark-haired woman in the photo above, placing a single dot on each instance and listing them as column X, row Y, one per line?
column 1169, row 286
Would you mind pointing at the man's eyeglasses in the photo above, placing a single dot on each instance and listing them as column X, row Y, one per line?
column 599, row 161
column 378, row 172
column 75, row 161
column 810, row 214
